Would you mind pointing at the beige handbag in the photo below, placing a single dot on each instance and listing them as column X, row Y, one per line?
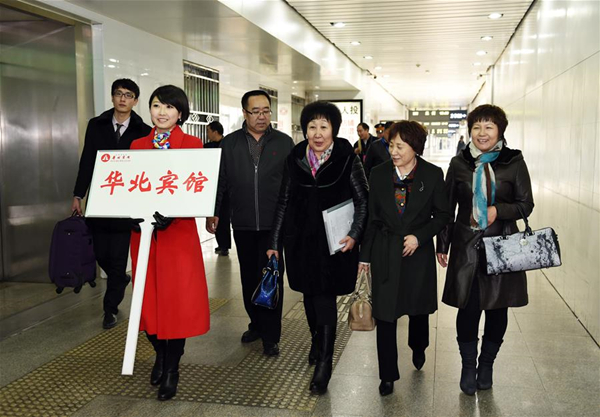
column 360, row 316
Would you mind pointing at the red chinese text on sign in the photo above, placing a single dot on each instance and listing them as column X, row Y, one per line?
column 195, row 182
column 114, row 179
column 167, row 183
column 140, row 182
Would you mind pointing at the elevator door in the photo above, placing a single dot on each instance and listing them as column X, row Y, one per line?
column 38, row 139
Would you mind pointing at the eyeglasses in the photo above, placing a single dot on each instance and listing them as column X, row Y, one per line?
column 119, row 94
column 257, row 113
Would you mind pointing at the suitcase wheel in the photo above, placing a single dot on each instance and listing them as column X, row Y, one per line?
column 77, row 289
column 59, row 290
column 93, row 284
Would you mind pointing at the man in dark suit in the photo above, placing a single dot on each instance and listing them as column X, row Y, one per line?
column 378, row 151
column 112, row 130
column 214, row 132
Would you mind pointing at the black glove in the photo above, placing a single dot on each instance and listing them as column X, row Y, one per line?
column 161, row 222
column 135, row 224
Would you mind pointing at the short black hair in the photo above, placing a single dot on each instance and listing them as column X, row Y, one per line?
column 321, row 109
column 411, row 132
column 364, row 125
column 488, row 113
column 378, row 125
column 387, row 125
column 216, row 127
column 176, row 97
column 127, row 84
column 253, row 93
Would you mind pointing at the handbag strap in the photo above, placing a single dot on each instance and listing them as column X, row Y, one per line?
column 362, row 276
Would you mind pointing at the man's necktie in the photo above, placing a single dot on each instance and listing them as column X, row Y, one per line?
column 118, row 132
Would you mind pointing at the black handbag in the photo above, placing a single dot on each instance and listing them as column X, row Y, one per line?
column 267, row 293
column 521, row 251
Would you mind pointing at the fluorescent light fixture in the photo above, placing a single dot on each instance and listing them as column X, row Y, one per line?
column 495, row 16
column 113, row 60
column 367, row 57
column 317, row 87
column 111, row 66
column 295, row 82
column 377, row 68
column 338, row 24
column 487, row 38
column 481, row 53
column 144, row 74
column 355, row 43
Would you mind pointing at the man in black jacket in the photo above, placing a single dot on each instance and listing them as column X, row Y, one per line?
column 114, row 129
column 378, row 151
column 365, row 139
column 252, row 162
column 214, row 131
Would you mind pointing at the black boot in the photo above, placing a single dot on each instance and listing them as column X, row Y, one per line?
column 160, row 347
column 168, row 386
column 324, row 365
column 312, row 355
column 468, row 375
column 489, row 350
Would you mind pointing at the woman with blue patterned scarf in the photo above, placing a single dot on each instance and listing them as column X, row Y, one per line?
column 490, row 184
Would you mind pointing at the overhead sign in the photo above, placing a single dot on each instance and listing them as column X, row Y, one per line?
column 136, row 183
column 351, row 116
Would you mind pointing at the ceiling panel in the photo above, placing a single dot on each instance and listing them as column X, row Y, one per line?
column 426, row 48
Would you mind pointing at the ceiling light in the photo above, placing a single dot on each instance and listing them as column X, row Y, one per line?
column 378, row 68
column 367, row 57
column 144, row 74
column 476, row 64
column 295, row 82
column 355, row 43
column 481, row 53
column 495, row 16
column 111, row 66
column 487, row 38
column 338, row 24
column 386, row 76
column 317, row 87
column 113, row 60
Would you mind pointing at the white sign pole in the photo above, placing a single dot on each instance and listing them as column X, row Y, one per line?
column 138, row 296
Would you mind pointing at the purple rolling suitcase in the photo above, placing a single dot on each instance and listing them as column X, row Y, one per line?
column 72, row 261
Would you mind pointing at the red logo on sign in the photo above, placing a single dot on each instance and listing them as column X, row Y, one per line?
column 105, row 157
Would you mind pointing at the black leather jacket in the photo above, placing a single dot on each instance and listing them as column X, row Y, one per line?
column 298, row 226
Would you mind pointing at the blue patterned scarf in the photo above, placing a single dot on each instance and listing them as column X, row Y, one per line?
column 484, row 184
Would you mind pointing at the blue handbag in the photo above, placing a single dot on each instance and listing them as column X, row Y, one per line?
column 267, row 293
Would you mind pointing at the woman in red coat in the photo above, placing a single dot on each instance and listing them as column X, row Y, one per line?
column 175, row 303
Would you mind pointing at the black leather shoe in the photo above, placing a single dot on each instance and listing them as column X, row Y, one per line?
column 110, row 321
column 250, row 336
column 270, row 349
column 168, row 387
column 217, row 249
column 224, row 252
column 386, row 388
column 418, row 359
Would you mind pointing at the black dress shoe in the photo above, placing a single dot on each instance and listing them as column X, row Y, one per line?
column 250, row 336
column 270, row 349
column 217, row 249
column 418, row 359
column 110, row 321
column 224, row 252
column 386, row 388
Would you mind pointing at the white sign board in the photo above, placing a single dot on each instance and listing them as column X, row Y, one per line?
column 351, row 117
column 136, row 183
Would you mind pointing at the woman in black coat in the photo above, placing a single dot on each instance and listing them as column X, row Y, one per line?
column 407, row 208
column 320, row 173
column 492, row 206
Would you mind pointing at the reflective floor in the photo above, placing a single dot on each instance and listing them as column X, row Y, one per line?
column 56, row 360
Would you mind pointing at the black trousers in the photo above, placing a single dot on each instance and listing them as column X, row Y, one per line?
column 223, row 233
column 321, row 310
column 252, row 253
column 467, row 319
column 111, row 248
column 387, row 345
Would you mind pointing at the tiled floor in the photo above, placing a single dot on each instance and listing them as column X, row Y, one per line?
column 548, row 364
